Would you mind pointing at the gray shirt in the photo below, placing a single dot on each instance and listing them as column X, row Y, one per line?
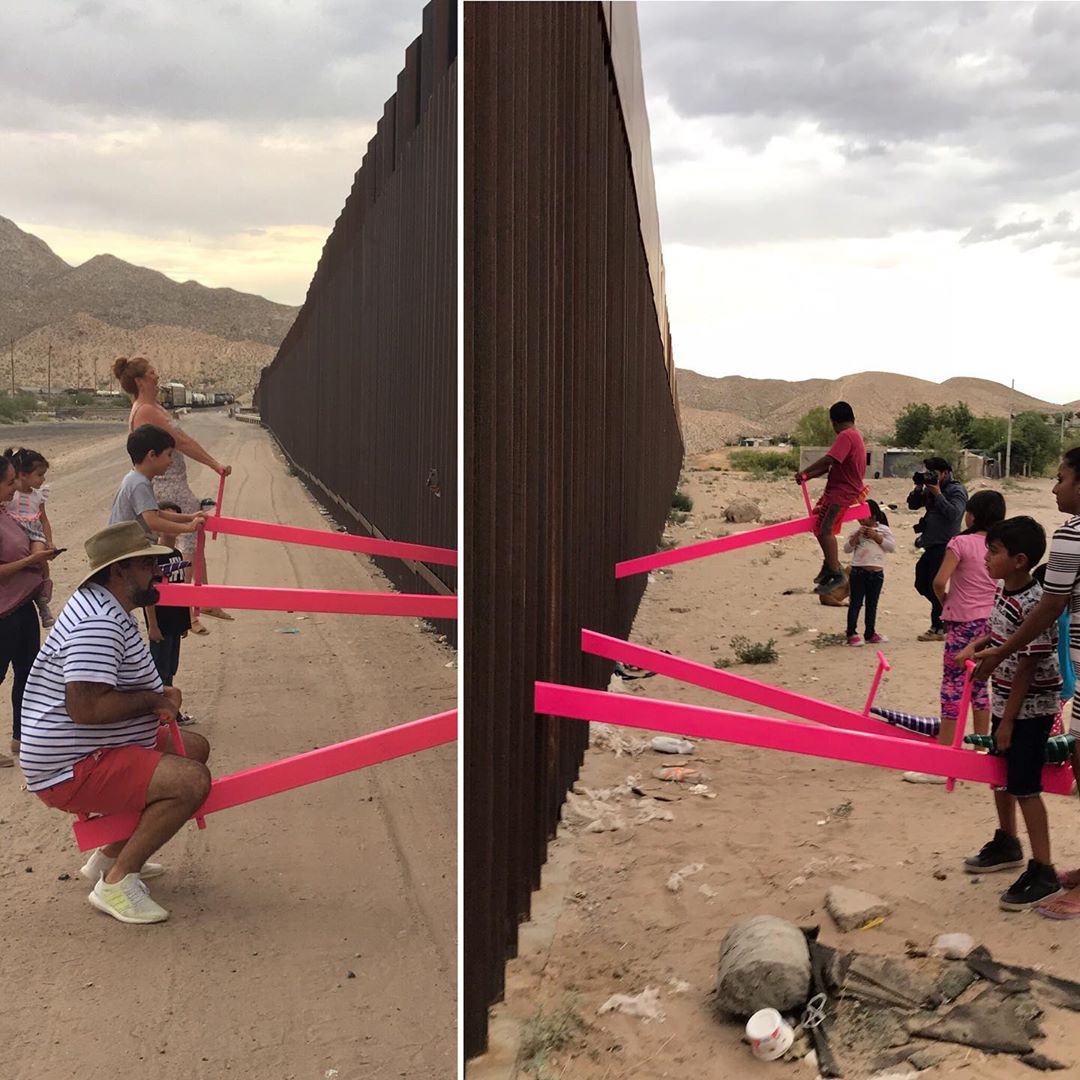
column 135, row 497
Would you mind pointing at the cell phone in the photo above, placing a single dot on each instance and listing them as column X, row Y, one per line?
column 60, row 551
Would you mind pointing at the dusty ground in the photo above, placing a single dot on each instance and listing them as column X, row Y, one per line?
column 767, row 840
column 313, row 933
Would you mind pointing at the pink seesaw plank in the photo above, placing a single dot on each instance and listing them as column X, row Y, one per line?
column 294, row 772
column 367, row 545
column 770, row 733
column 738, row 686
column 781, row 531
column 330, row 601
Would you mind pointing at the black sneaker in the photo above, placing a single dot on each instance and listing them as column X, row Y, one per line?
column 1036, row 884
column 1004, row 852
column 822, row 574
column 832, row 579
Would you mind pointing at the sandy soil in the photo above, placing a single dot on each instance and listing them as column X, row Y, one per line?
column 767, row 840
column 312, row 934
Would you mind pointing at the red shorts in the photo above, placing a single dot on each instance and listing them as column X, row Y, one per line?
column 828, row 517
column 109, row 781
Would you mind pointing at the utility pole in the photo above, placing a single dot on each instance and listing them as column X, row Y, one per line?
column 1008, row 438
column 49, row 395
column 96, row 387
column 13, row 369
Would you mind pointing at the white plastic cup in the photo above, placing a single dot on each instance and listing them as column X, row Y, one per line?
column 769, row 1035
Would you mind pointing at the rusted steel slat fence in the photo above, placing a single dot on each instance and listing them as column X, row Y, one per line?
column 362, row 394
column 572, row 442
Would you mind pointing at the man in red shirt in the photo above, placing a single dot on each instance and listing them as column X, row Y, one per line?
column 845, row 464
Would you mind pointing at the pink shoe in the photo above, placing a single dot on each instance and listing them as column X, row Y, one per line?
column 876, row 639
column 855, row 641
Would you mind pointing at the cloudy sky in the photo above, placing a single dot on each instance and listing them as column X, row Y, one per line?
column 847, row 187
column 208, row 139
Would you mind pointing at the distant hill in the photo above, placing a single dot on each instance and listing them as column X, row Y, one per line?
column 715, row 411
column 107, row 307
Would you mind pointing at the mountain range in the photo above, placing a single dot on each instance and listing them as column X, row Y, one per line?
column 718, row 411
column 106, row 307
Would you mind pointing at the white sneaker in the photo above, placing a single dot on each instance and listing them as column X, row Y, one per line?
column 923, row 778
column 128, row 900
column 98, row 865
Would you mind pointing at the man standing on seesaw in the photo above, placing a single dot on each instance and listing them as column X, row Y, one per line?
column 845, row 464
column 95, row 738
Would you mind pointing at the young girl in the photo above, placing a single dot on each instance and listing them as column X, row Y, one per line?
column 27, row 507
column 870, row 542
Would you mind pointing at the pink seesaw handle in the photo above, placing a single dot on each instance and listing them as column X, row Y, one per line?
column 293, row 772
column 961, row 717
column 806, row 495
column 220, row 500
column 644, row 563
column 178, row 747
column 882, row 667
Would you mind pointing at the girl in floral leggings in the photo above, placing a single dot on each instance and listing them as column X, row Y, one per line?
column 966, row 592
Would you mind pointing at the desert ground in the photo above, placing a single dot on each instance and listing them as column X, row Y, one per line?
column 312, row 934
column 771, row 832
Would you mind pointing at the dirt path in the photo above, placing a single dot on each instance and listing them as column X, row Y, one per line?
column 769, row 835
column 310, row 932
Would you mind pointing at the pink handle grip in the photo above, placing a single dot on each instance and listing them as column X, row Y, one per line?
column 738, row 686
column 329, row 601
column 781, row 531
column 806, row 495
column 293, row 772
column 367, row 545
column 178, row 748
column 882, row 667
column 551, row 699
column 219, row 502
column 961, row 717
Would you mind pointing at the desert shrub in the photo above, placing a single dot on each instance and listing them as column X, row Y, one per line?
column 754, row 652
column 681, row 501
column 765, row 462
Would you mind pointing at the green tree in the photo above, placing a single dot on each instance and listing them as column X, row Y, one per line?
column 913, row 423
column 942, row 442
column 815, row 428
column 1035, row 444
column 957, row 418
column 988, row 432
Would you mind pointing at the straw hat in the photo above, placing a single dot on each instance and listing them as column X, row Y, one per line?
column 124, row 540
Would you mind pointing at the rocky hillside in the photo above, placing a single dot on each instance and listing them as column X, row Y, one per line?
column 717, row 410
column 107, row 307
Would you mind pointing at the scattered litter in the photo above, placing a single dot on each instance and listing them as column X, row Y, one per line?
column 675, row 881
column 678, row 986
column 645, row 1005
column 707, row 891
column 452, row 664
column 287, row 630
column 605, row 737
column 665, row 744
column 650, row 812
column 678, row 774
column 702, row 789
column 953, row 946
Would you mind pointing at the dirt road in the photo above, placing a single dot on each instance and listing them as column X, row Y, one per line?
column 771, row 832
column 310, row 932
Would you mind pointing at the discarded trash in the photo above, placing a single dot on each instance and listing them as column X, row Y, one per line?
column 678, row 986
column 769, row 1035
column 646, row 1005
column 287, row 630
column 953, row 946
column 665, row 744
column 675, row 881
column 678, row 774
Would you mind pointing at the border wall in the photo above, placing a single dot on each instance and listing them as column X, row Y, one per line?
column 362, row 394
column 572, row 438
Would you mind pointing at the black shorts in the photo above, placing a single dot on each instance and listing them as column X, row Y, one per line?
column 1026, row 756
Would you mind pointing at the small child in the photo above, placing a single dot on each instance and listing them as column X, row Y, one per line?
column 870, row 542
column 150, row 449
column 1024, row 698
column 845, row 464
column 166, row 626
column 27, row 507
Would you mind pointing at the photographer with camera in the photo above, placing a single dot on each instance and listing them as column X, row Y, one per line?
column 944, row 500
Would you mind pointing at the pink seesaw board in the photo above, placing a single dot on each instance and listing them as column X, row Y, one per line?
column 278, row 776
column 552, row 699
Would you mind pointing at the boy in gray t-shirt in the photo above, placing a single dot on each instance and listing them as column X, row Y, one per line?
column 150, row 449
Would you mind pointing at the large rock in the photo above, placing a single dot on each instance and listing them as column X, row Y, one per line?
column 741, row 510
column 851, row 908
column 764, row 964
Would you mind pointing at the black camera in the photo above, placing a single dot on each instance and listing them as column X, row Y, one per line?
column 931, row 476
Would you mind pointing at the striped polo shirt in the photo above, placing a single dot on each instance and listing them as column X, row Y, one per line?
column 94, row 640
column 1063, row 574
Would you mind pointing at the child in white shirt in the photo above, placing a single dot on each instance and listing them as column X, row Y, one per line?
column 27, row 507
column 869, row 543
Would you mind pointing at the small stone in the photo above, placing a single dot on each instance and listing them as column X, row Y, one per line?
column 29, row 869
column 852, row 908
column 926, row 1059
column 742, row 510
column 350, row 974
column 940, row 875
column 764, row 963
column 64, row 877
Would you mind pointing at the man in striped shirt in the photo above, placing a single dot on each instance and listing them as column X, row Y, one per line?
column 95, row 715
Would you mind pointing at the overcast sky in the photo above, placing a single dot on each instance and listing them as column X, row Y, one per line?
column 847, row 187
column 209, row 140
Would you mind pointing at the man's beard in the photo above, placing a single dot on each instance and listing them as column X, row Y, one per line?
column 147, row 597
